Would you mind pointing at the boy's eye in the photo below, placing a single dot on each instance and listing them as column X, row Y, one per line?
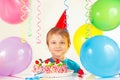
column 62, row 42
column 53, row 42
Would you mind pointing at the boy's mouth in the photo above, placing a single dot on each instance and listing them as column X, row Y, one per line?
column 58, row 50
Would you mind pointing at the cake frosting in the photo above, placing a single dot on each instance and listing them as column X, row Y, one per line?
column 49, row 67
column 47, row 70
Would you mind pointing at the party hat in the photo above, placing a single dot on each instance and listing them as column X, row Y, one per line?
column 62, row 23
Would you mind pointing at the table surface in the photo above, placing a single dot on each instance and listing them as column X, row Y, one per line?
column 73, row 77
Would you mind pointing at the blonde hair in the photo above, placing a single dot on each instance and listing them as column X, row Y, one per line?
column 63, row 32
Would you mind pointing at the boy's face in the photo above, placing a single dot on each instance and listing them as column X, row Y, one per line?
column 57, row 45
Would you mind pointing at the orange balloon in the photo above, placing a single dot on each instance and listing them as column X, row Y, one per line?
column 82, row 34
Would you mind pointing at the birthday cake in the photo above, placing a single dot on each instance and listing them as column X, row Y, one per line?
column 51, row 69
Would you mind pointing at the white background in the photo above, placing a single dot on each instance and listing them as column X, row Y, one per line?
column 50, row 12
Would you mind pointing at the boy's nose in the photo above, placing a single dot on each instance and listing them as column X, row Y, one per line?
column 58, row 45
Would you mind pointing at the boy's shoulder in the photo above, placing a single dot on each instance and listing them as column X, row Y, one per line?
column 70, row 61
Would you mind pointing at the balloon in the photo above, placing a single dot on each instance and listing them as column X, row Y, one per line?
column 100, row 55
column 15, row 56
column 13, row 11
column 105, row 17
column 81, row 34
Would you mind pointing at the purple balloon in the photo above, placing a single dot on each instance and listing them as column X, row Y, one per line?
column 15, row 56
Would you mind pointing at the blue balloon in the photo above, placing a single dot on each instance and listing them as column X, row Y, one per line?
column 100, row 56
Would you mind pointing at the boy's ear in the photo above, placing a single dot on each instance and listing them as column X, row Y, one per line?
column 69, row 44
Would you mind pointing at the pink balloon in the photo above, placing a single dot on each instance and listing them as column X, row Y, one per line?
column 15, row 56
column 11, row 10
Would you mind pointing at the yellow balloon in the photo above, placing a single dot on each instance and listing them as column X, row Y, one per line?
column 82, row 34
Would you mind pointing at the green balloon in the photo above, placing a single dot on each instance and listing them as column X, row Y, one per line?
column 105, row 14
